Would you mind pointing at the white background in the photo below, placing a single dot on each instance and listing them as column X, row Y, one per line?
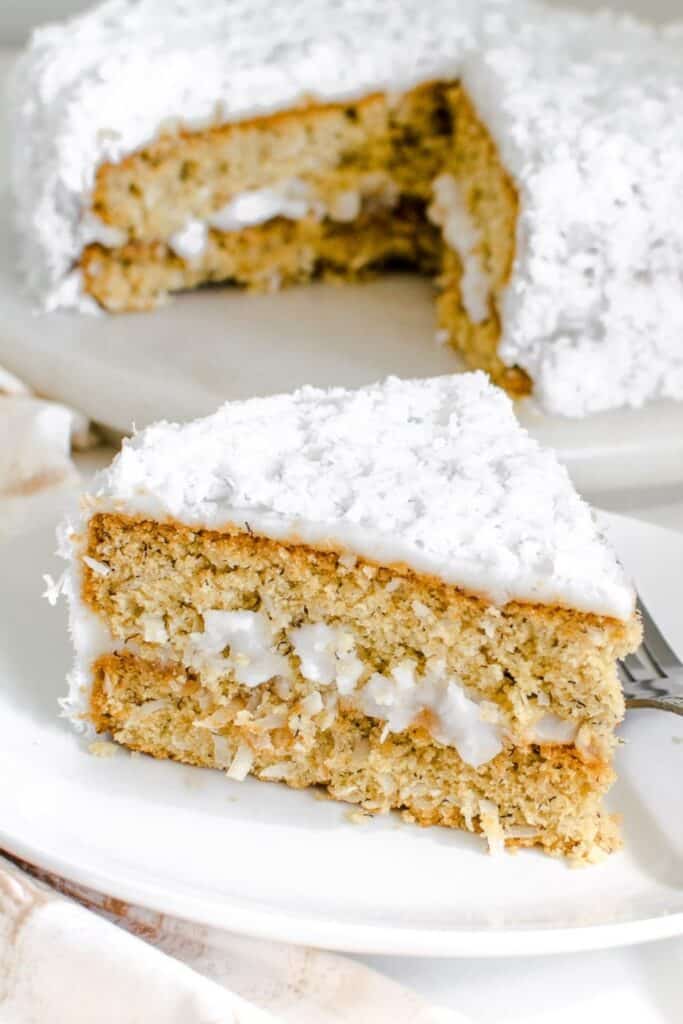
column 18, row 16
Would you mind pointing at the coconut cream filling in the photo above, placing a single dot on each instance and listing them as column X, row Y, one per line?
column 292, row 198
column 244, row 644
column 449, row 211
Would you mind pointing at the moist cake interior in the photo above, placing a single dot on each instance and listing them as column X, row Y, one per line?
column 414, row 181
column 192, row 678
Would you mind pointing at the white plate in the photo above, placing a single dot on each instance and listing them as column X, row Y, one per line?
column 273, row 862
column 185, row 359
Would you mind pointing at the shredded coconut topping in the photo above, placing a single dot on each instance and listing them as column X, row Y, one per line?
column 53, row 588
column 435, row 473
column 97, row 567
column 489, row 819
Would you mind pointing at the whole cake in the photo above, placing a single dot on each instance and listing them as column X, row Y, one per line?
column 530, row 160
column 393, row 592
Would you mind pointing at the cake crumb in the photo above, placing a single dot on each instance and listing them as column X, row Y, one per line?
column 53, row 588
column 357, row 817
column 103, row 748
column 489, row 819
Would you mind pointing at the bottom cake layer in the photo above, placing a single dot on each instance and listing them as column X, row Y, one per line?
column 264, row 257
column 544, row 795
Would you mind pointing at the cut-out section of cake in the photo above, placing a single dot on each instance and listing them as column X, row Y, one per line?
column 393, row 593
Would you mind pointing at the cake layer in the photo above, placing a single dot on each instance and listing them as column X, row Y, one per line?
column 330, row 189
column 536, row 795
column 393, row 644
column 399, row 143
column 436, row 474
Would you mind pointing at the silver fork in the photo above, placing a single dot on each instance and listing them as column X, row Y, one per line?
column 653, row 676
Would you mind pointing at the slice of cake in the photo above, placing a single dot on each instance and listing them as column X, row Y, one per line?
column 530, row 160
column 393, row 593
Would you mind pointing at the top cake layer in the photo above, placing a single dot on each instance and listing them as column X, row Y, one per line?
column 587, row 112
column 436, row 474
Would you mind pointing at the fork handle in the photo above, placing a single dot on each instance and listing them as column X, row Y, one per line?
column 664, row 694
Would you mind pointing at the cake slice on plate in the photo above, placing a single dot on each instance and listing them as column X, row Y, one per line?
column 392, row 592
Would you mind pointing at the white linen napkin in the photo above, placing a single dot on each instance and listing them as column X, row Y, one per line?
column 36, row 438
column 62, row 961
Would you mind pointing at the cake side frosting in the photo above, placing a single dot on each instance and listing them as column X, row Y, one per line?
column 436, row 474
column 587, row 112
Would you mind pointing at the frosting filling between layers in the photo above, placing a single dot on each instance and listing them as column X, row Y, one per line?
column 242, row 644
column 292, row 199
column 449, row 211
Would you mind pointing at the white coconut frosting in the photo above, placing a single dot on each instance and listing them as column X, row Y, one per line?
column 587, row 111
column 436, row 474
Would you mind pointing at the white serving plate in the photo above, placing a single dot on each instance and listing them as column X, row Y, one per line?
column 264, row 860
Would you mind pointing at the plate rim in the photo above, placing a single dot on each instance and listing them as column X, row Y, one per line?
column 364, row 938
